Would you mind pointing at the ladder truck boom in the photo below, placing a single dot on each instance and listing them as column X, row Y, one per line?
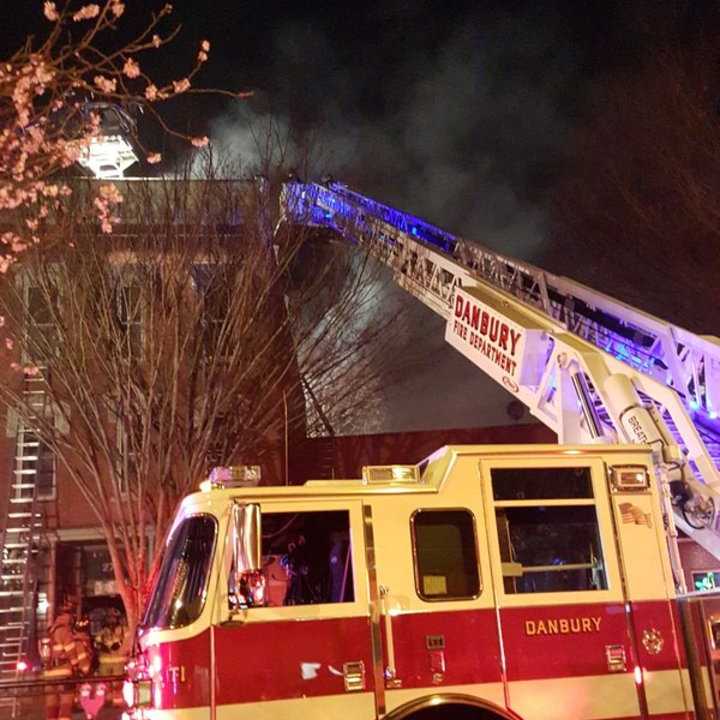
column 590, row 367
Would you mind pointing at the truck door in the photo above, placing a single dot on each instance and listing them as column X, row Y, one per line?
column 428, row 561
column 305, row 651
column 569, row 652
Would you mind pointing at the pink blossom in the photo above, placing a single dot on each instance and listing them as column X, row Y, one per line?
column 131, row 68
column 151, row 92
column 205, row 45
column 107, row 85
column 87, row 12
column 50, row 11
column 156, row 41
column 202, row 56
column 110, row 192
column 31, row 370
column 154, row 158
column 117, row 8
column 200, row 142
column 9, row 343
column 181, row 86
column 2, row 321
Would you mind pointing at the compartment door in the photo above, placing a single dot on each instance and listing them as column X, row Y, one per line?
column 565, row 632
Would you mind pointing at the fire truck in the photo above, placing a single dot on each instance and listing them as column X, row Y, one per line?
column 487, row 582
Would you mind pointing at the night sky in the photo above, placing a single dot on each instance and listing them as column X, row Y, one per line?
column 462, row 112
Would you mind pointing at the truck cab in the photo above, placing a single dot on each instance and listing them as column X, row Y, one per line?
column 487, row 582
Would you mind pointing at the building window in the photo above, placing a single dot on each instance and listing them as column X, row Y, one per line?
column 446, row 564
column 548, row 530
column 42, row 338
column 129, row 316
column 307, row 558
column 706, row 580
column 210, row 284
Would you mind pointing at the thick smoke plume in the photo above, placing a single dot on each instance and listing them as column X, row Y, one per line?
column 467, row 133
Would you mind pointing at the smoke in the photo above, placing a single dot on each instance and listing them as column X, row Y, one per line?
column 467, row 132
column 464, row 125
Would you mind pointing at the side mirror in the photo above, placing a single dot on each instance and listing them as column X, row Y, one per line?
column 246, row 538
column 246, row 584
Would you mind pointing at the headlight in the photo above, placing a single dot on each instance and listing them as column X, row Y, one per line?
column 137, row 693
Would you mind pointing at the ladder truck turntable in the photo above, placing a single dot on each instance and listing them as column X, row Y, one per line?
column 487, row 582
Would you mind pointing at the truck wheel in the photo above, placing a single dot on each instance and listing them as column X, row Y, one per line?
column 454, row 712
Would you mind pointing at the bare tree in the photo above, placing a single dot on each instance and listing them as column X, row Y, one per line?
column 191, row 335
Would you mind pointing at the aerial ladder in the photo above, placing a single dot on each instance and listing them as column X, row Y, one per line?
column 591, row 368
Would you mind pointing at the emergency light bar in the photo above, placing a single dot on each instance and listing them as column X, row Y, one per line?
column 232, row 476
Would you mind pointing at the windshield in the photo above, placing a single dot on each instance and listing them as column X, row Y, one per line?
column 179, row 594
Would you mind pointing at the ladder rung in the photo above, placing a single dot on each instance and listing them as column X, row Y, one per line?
column 22, row 486
column 22, row 528
column 21, row 515
column 26, row 471
column 21, row 501
column 15, row 545
column 16, row 609
column 13, row 561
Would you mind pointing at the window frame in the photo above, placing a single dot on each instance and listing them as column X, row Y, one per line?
column 416, row 565
column 358, row 607
column 130, row 316
column 603, row 512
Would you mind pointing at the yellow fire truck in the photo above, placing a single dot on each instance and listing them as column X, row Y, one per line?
column 488, row 582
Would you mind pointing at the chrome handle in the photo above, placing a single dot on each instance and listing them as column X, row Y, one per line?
column 354, row 676
column 616, row 658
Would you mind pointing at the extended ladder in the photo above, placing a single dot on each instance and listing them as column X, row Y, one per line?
column 593, row 369
column 24, row 561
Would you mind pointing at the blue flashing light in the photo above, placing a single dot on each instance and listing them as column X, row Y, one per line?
column 694, row 404
column 713, row 415
column 413, row 230
column 328, row 215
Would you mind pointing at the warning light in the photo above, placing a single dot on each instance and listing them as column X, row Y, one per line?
column 22, row 666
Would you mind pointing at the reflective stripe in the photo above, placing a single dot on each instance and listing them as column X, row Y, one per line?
column 57, row 647
column 68, row 647
column 81, row 655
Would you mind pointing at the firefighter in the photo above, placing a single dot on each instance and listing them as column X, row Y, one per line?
column 110, row 642
column 68, row 657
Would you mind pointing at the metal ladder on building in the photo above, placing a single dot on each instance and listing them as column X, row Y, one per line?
column 24, row 560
